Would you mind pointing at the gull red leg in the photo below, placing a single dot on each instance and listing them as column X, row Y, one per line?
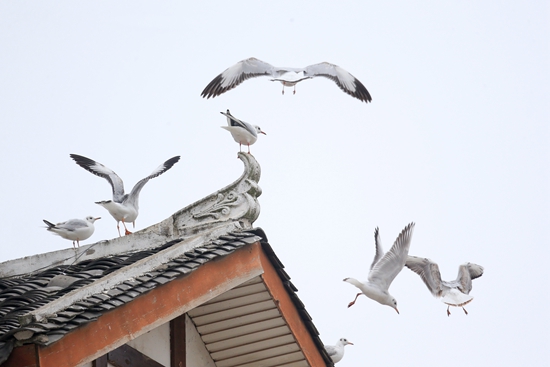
column 126, row 231
column 118, row 228
column 466, row 312
column 353, row 302
column 448, row 312
column 294, row 89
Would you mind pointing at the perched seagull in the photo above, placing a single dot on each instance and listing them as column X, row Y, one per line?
column 124, row 207
column 384, row 269
column 289, row 77
column 242, row 132
column 75, row 230
column 454, row 293
column 336, row 352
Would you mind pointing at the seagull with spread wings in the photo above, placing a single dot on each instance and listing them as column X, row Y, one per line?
column 289, row 77
column 123, row 207
column 453, row 293
column 384, row 269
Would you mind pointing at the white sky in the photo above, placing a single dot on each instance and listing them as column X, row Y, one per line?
column 456, row 139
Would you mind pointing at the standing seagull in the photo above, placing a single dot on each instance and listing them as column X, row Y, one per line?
column 454, row 293
column 75, row 230
column 384, row 269
column 336, row 352
column 124, row 208
column 242, row 132
column 289, row 77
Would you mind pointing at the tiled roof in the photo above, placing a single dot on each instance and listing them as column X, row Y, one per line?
column 22, row 295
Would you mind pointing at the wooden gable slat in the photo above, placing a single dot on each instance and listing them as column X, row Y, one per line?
column 271, row 362
column 234, row 312
column 230, row 304
column 240, row 321
column 239, row 292
column 253, row 347
column 224, row 334
column 249, row 282
column 268, row 333
column 260, row 355
column 302, row 363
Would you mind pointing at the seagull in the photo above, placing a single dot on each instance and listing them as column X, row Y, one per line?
column 75, row 230
column 336, row 352
column 289, row 77
column 454, row 293
column 384, row 269
column 124, row 207
column 242, row 132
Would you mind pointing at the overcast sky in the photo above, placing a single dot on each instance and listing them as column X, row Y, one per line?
column 456, row 139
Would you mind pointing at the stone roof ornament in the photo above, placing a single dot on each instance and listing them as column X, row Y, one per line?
column 237, row 202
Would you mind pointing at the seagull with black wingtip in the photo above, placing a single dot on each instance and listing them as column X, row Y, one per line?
column 242, row 132
column 289, row 77
column 123, row 207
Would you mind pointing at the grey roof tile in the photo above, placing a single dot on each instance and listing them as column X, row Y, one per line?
column 124, row 298
column 115, row 292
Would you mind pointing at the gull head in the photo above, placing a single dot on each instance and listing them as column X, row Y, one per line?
column 388, row 300
column 393, row 304
column 91, row 219
column 259, row 130
column 344, row 341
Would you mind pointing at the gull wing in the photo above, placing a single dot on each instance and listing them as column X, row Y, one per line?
column 347, row 82
column 385, row 270
column 100, row 170
column 235, row 75
column 132, row 198
column 72, row 224
column 233, row 121
column 466, row 273
column 378, row 247
column 331, row 350
column 429, row 273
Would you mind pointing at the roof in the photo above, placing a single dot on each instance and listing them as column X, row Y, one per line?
column 248, row 316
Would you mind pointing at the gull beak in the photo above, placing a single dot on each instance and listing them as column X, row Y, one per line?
column 263, row 133
column 350, row 343
column 396, row 310
column 97, row 218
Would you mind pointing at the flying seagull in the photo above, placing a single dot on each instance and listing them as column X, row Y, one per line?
column 242, row 132
column 289, row 77
column 384, row 269
column 454, row 293
column 75, row 230
column 336, row 352
column 124, row 207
